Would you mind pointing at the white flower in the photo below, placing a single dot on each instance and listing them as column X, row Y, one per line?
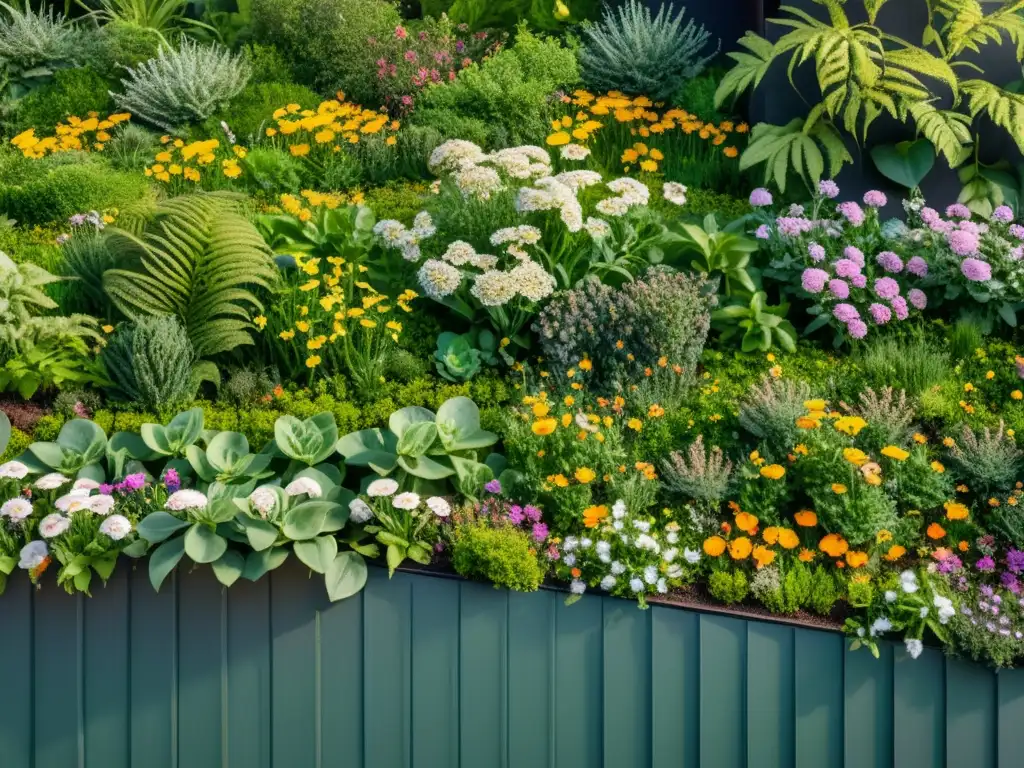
column 881, row 625
column 382, row 486
column 73, row 501
column 651, row 574
column 51, row 481
column 459, row 253
column 53, row 525
column 494, row 288
column 13, row 469
column 632, row 191
column 439, row 506
column 531, row 199
column 585, row 543
column 945, row 606
column 607, row 583
column 617, row 525
column 914, row 647
column 908, row 582
column 116, row 527
column 101, row 504
column 407, row 500
column 637, row 585
column 33, row 554
column 642, row 525
column 612, row 206
column 597, row 228
column 453, row 154
column 569, row 559
column 16, row 509
column 423, row 226
column 675, row 193
column 604, row 551
column 674, row 571
column 390, row 231
column 890, row 596
column 85, row 483
column 662, row 586
column 359, row 511
column 570, row 543
column 263, row 500
column 692, row 556
column 672, row 537
column 439, row 279
column 574, row 152
column 619, row 509
column 185, row 499
column 478, row 181
column 304, row 485
column 532, row 281
column 577, row 180
column 670, row 554
column 578, row 587
column 618, row 568
column 860, row 631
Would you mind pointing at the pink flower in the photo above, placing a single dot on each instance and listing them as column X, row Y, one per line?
column 845, row 313
column 858, row 329
column 976, row 270
column 887, row 288
column 400, row 32
column 829, row 189
column 889, row 261
column 875, row 199
column 899, row 306
column 410, row 56
column 1017, row 231
column 763, row 232
column 929, row 215
column 958, row 211
column 880, row 313
column 847, row 268
column 854, row 254
column 760, row 197
column 963, row 243
column 816, row 252
column 851, row 212
column 813, row 280
column 839, row 289
column 859, row 281
column 917, row 298
column 917, row 266
column 791, row 226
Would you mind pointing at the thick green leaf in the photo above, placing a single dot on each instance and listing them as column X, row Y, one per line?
column 203, row 545
column 229, row 567
column 404, row 418
column 395, row 556
column 258, row 564
column 906, row 163
column 417, row 439
column 306, row 520
column 346, row 576
column 163, row 559
column 426, row 468
column 261, row 533
column 317, row 553
column 157, row 526
column 5, row 431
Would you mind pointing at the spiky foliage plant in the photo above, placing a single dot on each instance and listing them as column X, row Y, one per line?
column 200, row 259
column 33, row 44
column 770, row 409
column 990, row 460
column 635, row 52
column 701, row 475
column 183, row 85
column 888, row 413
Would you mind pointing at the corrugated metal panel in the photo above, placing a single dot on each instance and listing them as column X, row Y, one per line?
column 423, row 672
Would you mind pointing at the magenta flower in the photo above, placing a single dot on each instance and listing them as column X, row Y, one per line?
column 760, row 197
column 845, row 313
column 839, row 289
column 792, row 226
column 852, row 212
column 1015, row 560
column 899, row 306
column 917, row 298
column 976, row 270
column 986, row 564
column 887, row 288
column 858, row 329
column 917, row 266
column 963, row 243
column 829, row 189
column 813, row 280
column 847, row 268
column 880, row 313
column 958, row 211
column 816, row 252
column 532, row 513
column 493, row 486
column 764, row 232
column 859, row 281
column 928, row 215
column 854, row 254
column 889, row 261
column 540, row 532
column 875, row 199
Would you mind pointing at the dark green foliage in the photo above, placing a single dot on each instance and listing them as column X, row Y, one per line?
column 783, row 592
column 341, row 172
column 403, row 366
column 964, row 338
column 274, row 171
column 131, row 148
column 728, row 586
column 1008, row 522
column 697, row 96
column 150, row 362
column 503, row 555
column 120, row 45
column 401, row 201
column 246, row 386
column 64, row 190
column 251, row 112
column 16, row 446
column 86, row 258
column 451, row 124
column 268, row 65
column 327, row 42
column 824, row 592
column 71, row 92
column 701, row 202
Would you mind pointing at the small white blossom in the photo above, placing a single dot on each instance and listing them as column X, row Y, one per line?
column 662, row 586
column 304, row 485
column 607, row 583
column 914, row 647
column 13, row 470
column 439, row 279
column 51, row 481
column 880, row 626
column 185, row 499
column 675, row 571
column 585, row 543
column 619, row 509
column 439, row 506
column 945, row 606
column 675, row 193
column 569, row 560
column 637, row 585
column 908, row 582
column 101, row 504
column 570, row 543
column 72, row 502
column 597, row 228
column 263, row 500
column 692, row 556
column 651, row 574
column 618, row 568
column 890, row 596
column 16, row 509
column 574, row 152
column 383, row 486
column 578, row 587
column 670, row 554
column 407, row 501
column 85, row 483
column 53, row 525
column 116, row 527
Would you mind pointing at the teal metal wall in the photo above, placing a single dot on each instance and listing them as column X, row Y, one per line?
column 425, row 672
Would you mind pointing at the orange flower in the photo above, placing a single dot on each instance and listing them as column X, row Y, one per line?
column 805, row 422
column 855, row 456
column 935, row 531
column 963, row 546
column 746, row 522
column 771, row 534
column 838, row 488
column 714, row 546
column 895, row 553
column 763, row 556
column 740, row 549
column 806, row 555
column 726, row 527
column 955, row 510
column 788, row 538
column 806, row 518
column 594, row 515
column 773, row 471
column 937, row 467
column 833, row 545
column 576, row 573
column 857, row 559
column 544, row 426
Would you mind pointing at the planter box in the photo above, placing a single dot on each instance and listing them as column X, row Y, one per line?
column 429, row 672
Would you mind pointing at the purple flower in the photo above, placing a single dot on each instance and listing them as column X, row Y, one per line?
column 942, row 227
column 917, row 298
column 958, row 211
column 532, row 513
column 854, row 254
column 844, row 313
column 171, row 480
column 963, row 243
column 1010, row 581
column 493, row 486
column 1017, row 231
column 1015, row 560
column 763, row 232
column 839, row 289
column 813, row 280
column 540, row 532
column 986, row 563
column 515, row 514
column 106, row 489
column 899, row 306
column 829, row 189
column 949, row 564
column 880, row 313
column 859, row 281
column 975, row 270
column 792, row 226
column 847, row 268
column 852, row 212
column 889, row 261
column 1017, row 253
column 816, row 252
column 760, row 197
column 917, row 266
column 135, row 482
column 875, row 199
column 858, row 329
column 887, row 288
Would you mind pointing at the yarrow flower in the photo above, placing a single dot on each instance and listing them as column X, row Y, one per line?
column 917, row 266
column 675, row 193
column 873, row 198
column 439, row 279
column 828, row 188
column 976, row 270
column 963, row 243
column 852, row 212
column 890, row 262
column 816, row 252
column 813, row 280
column 760, row 198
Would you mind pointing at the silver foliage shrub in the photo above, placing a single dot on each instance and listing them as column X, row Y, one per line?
column 183, row 85
column 30, row 38
column 638, row 53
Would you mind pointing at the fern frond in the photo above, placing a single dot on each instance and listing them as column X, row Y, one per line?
column 796, row 146
column 948, row 131
column 968, row 27
column 1003, row 108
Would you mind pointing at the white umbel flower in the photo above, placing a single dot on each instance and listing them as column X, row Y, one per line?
column 439, row 279
column 116, row 527
column 597, row 228
column 532, row 281
column 908, row 582
column 458, row 253
column 493, row 288
column 575, row 152
column 675, row 193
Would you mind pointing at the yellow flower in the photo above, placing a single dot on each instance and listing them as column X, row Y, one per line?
column 815, row 405
column 299, row 150
column 585, row 474
column 894, row 452
column 773, row 471
column 714, row 546
column 1017, row 394
column 313, row 361
column 107, row 328
column 558, row 139
column 586, row 364
column 544, row 426
column 834, row 545
column 740, row 549
column 838, row 488
column 368, row 323
column 920, row 439
column 309, row 286
column 635, row 424
column 302, row 325
column 850, row 425
column 287, row 335
column 955, row 510
column 937, row 467
column 855, row 456
column 260, row 321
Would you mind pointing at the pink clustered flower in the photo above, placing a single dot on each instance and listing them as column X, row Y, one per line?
column 917, row 266
column 1017, row 231
column 813, row 280
column 844, row 313
column 875, row 199
column 839, row 289
column 847, row 268
column 887, row 288
column 880, row 313
column 1003, row 214
column 829, row 189
column 963, row 242
column 976, row 270
column 958, row 211
column 899, row 306
column 764, row 232
column 760, row 197
column 917, row 298
column 857, row 329
column 859, row 281
column 816, row 252
column 852, row 212
column 890, row 262
column 854, row 254
column 793, row 226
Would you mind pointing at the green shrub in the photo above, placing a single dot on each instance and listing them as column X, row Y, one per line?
column 327, row 42
column 451, row 124
column 252, row 110
column 915, row 365
column 47, row 428
column 273, row 171
column 728, row 587
column 268, row 65
column 990, row 460
column 72, row 92
column 131, row 148
column 397, row 200
column 503, row 555
column 34, row 44
column 121, row 45
column 824, row 592
column 65, row 190
column 770, row 410
column 18, row 444
column 701, row 202
column 697, row 96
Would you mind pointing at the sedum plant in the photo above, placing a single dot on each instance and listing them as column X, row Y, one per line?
column 635, row 52
column 862, row 71
column 183, row 85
